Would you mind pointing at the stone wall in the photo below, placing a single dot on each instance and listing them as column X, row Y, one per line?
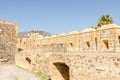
column 73, row 66
column 104, row 39
column 8, row 41
column 86, row 67
column 87, row 55
column 33, row 61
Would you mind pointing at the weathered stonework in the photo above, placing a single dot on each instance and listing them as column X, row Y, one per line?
column 104, row 39
column 33, row 61
column 86, row 67
column 87, row 55
column 8, row 41
column 73, row 66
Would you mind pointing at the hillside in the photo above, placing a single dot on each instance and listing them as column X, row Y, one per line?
column 24, row 34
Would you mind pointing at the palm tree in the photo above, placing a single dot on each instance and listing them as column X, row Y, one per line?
column 105, row 19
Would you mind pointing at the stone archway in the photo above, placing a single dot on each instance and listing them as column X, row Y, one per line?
column 60, row 71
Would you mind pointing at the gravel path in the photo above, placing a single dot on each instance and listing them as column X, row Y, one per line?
column 11, row 72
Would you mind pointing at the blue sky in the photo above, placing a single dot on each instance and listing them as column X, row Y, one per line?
column 58, row 16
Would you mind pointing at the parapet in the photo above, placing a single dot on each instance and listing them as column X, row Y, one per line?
column 88, row 30
column 7, row 22
column 73, row 32
column 108, row 26
column 104, row 39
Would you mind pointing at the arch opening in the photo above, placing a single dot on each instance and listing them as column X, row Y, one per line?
column 88, row 44
column 61, row 71
column 28, row 60
column 106, row 42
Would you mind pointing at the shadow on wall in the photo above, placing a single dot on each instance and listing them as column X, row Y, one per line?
column 63, row 70
column 28, row 60
column 20, row 49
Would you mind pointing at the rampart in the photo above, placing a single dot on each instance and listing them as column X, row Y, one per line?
column 87, row 55
column 8, row 41
column 104, row 39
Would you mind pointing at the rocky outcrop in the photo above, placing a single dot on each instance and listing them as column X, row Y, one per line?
column 8, row 40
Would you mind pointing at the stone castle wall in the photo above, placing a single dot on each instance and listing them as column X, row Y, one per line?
column 104, row 39
column 33, row 61
column 73, row 66
column 86, row 67
column 87, row 55
column 8, row 41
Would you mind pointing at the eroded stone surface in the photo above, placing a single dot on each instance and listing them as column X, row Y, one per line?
column 89, row 55
column 8, row 41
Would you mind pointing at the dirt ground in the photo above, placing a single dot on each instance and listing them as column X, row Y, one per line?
column 12, row 72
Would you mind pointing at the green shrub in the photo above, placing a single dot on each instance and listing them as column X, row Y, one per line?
column 43, row 76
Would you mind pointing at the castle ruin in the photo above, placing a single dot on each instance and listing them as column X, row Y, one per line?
column 87, row 55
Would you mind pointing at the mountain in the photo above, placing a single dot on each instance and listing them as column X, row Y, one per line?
column 25, row 34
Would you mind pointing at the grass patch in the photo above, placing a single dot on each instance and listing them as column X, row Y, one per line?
column 42, row 75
